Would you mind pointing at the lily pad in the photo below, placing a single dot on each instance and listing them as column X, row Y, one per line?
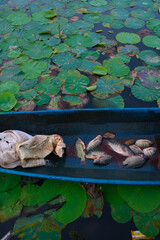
column 95, row 37
column 98, row 3
column 72, row 100
column 40, row 17
column 33, row 69
column 29, row 195
column 48, row 86
column 111, row 194
column 28, row 84
column 13, row 54
column 150, row 57
column 76, row 83
column 5, row 27
column 52, row 41
column 50, row 14
column 119, row 13
column 142, row 14
column 8, row 181
column 89, row 55
column 107, row 86
column 9, row 87
column 88, row 65
column 18, row 18
column 100, row 70
column 30, row 94
column 41, row 99
column 119, row 3
column 145, row 3
column 152, row 41
column 116, row 67
column 124, row 58
column 129, row 50
column 38, row 50
column 126, row 37
column 113, row 102
column 150, row 78
column 138, row 197
column 21, row 59
column 66, row 60
column 117, row 24
column 134, row 23
column 78, row 40
column 153, row 23
column 156, row 30
column 121, row 213
column 7, row 101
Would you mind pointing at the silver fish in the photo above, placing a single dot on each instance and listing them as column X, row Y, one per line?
column 79, row 149
column 135, row 161
column 94, row 154
column 144, row 143
column 120, row 148
column 102, row 160
column 136, row 149
column 149, row 152
column 94, row 143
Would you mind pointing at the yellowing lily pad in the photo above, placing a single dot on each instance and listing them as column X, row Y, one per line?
column 100, row 70
column 129, row 50
column 50, row 14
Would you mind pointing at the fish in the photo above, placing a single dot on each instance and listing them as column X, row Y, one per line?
column 94, row 154
column 143, row 143
column 79, row 149
column 149, row 152
column 136, row 149
column 130, row 142
column 135, row 161
column 102, row 160
column 119, row 147
column 109, row 135
column 94, row 143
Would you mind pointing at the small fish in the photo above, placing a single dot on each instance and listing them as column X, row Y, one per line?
column 144, row 143
column 94, row 154
column 109, row 135
column 102, row 160
column 149, row 152
column 120, row 148
column 79, row 149
column 94, row 143
column 135, row 161
column 130, row 142
column 136, row 149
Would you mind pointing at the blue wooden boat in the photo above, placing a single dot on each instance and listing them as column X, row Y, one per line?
column 86, row 124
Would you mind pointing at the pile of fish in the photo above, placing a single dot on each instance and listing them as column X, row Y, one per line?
column 137, row 152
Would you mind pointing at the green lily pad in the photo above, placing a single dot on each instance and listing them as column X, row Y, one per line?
column 145, row 3
column 134, row 23
column 30, row 94
column 127, row 81
column 9, row 87
column 33, row 69
column 93, row 17
column 41, row 99
column 10, row 211
column 95, row 37
column 143, row 93
column 149, row 77
column 119, row 3
column 7, row 101
column 21, row 59
column 72, row 100
column 145, row 225
column 38, row 50
column 119, row 13
column 76, row 199
column 89, row 55
column 61, row 48
column 138, row 197
column 111, row 194
column 18, row 18
column 100, row 70
column 29, row 195
column 50, row 14
column 11, row 43
column 107, row 18
column 121, row 213
column 98, row 3
column 126, row 37
column 156, row 30
column 142, row 14
column 66, row 60
column 48, row 86
column 28, row 84
column 88, row 66
column 152, row 41
column 124, row 58
column 76, row 83
column 78, row 40
column 117, row 24
column 150, row 57
column 153, row 23
column 5, row 27
column 52, row 41
column 40, row 17
column 13, row 54
column 107, row 86
column 116, row 67
column 130, row 50
column 113, row 102
column 8, row 181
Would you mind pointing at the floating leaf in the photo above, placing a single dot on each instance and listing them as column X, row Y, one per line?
column 5, row 27
column 7, row 101
column 48, row 86
column 130, row 50
column 126, row 37
column 72, row 100
column 28, row 84
column 119, row 13
column 98, row 3
column 151, row 41
column 116, row 67
column 30, row 94
column 40, row 17
column 95, row 37
column 91, row 88
column 41, row 99
column 89, row 55
column 88, row 66
column 61, row 48
column 120, row 3
column 38, row 50
column 9, row 87
column 111, row 194
column 153, row 23
column 107, row 86
column 100, row 70
column 113, row 102
column 76, row 83
column 156, row 30
column 150, row 57
column 149, row 77
column 21, row 59
column 138, row 197
column 121, row 213
column 134, row 23
column 33, row 69
column 8, row 181
column 52, row 41
column 145, row 3
column 29, row 195
column 117, row 24
column 124, row 58
column 78, row 40
column 18, row 18
column 50, row 14
column 13, row 54
column 94, row 206
column 66, row 60
column 142, row 14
